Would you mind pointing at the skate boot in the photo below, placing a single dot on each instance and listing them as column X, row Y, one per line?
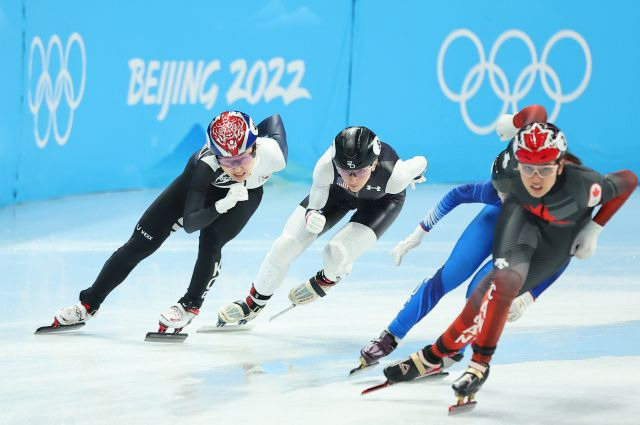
column 447, row 362
column 241, row 312
column 72, row 315
column 418, row 365
column 470, row 382
column 177, row 317
column 314, row 288
column 383, row 346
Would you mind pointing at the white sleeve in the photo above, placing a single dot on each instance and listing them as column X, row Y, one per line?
column 404, row 172
column 270, row 152
column 322, row 179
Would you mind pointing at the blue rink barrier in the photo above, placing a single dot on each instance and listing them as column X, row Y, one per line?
column 116, row 95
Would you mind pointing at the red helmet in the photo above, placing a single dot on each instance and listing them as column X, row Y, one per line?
column 231, row 133
column 539, row 143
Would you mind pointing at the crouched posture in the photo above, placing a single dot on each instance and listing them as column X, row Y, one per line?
column 216, row 194
column 358, row 172
column 545, row 218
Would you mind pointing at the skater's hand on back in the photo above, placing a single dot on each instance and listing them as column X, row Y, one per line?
column 237, row 192
column 315, row 221
column 410, row 242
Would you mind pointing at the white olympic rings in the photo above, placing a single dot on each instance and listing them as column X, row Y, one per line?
column 47, row 91
column 524, row 81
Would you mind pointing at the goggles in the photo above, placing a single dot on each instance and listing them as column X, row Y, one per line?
column 238, row 160
column 543, row 171
column 358, row 172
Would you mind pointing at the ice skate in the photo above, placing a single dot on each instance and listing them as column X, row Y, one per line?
column 241, row 312
column 67, row 318
column 378, row 349
column 177, row 317
column 419, row 365
column 316, row 287
column 237, row 312
column 466, row 387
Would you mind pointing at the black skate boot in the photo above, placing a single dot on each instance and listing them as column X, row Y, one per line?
column 447, row 362
column 419, row 365
column 383, row 346
column 466, row 387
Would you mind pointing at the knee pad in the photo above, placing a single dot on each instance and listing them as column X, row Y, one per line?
column 276, row 264
column 345, row 247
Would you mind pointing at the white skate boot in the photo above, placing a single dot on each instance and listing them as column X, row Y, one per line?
column 314, row 288
column 177, row 316
column 74, row 314
column 241, row 312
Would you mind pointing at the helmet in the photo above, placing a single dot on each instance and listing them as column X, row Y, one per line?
column 355, row 147
column 231, row 133
column 539, row 143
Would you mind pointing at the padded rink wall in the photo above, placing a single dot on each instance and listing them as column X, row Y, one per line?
column 100, row 96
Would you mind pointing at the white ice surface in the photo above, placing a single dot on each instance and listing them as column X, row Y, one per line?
column 573, row 358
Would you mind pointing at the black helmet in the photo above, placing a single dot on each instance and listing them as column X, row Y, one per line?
column 355, row 147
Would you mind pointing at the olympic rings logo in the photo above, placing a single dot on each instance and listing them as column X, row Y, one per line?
column 524, row 82
column 49, row 92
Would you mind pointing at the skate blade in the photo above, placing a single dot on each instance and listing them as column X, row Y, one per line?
column 433, row 377
column 225, row 328
column 385, row 384
column 457, row 409
column 361, row 367
column 57, row 329
column 275, row 316
column 165, row 337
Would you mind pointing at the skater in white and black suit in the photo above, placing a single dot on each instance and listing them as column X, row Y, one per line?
column 358, row 172
column 217, row 193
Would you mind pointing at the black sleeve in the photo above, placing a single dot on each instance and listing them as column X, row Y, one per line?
column 196, row 215
column 273, row 127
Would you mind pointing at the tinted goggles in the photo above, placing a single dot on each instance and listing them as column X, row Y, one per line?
column 238, row 160
column 358, row 172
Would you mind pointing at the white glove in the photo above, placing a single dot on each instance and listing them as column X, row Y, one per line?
column 410, row 242
column 519, row 305
column 237, row 192
column 417, row 180
column 505, row 128
column 315, row 221
column 584, row 246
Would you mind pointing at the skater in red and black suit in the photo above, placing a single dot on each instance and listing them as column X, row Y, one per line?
column 546, row 218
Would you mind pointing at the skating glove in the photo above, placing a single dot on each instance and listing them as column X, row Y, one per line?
column 585, row 244
column 519, row 305
column 315, row 221
column 505, row 128
column 410, row 242
column 237, row 192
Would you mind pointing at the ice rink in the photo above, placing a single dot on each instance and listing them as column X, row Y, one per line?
column 574, row 357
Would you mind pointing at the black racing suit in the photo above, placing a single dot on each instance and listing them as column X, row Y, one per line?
column 190, row 201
